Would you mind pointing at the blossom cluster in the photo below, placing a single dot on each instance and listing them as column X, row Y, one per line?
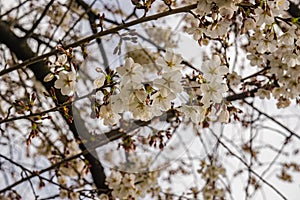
column 273, row 41
column 131, row 185
column 65, row 74
column 162, row 36
column 127, row 185
column 214, row 20
column 69, row 170
column 212, row 173
column 274, row 44
column 209, row 86
column 146, row 98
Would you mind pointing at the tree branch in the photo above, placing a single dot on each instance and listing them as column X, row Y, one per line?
column 248, row 167
column 23, row 52
column 35, row 59
column 34, row 26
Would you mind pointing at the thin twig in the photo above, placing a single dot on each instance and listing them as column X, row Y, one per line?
column 98, row 35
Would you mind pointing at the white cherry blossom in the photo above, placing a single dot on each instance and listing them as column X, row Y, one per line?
column 195, row 113
column 266, row 46
column 195, row 31
column 234, row 79
column 109, row 117
column 99, row 81
column 288, row 37
column 130, row 72
column 128, row 180
column 61, row 60
column 170, row 81
column 140, row 109
column 224, row 116
column 212, row 92
column 170, row 62
column 114, row 179
column 249, row 24
column 263, row 17
column 132, row 90
column 66, row 82
column 282, row 4
column 213, row 70
column 117, row 104
column 163, row 101
column 203, row 7
column 263, row 93
column 218, row 29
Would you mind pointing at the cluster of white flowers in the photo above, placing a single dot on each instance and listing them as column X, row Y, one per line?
column 142, row 56
column 212, row 173
column 142, row 100
column 162, row 36
column 69, row 148
column 68, row 170
column 225, row 7
column 133, row 186
column 274, row 42
column 215, row 18
column 63, row 193
column 276, row 46
column 66, row 79
column 147, row 99
column 214, row 87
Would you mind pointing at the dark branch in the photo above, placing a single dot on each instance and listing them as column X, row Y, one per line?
column 35, row 59
column 23, row 52
column 294, row 9
column 34, row 26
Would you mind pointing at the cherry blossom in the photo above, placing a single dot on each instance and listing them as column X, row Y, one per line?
column 170, row 82
column 212, row 92
column 213, row 70
column 132, row 90
column 203, row 7
column 61, row 60
column 128, row 180
column 66, row 82
column 195, row 30
column 262, row 93
column 114, row 179
column 218, row 29
column 170, row 62
column 140, row 109
column 263, row 17
column 132, row 185
column 130, row 72
column 282, row 5
column 196, row 113
column 163, row 101
column 99, row 81
column 224, row 116
column 152, row 84
column 234, row 79
column 117, row 104
column 109, row 117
